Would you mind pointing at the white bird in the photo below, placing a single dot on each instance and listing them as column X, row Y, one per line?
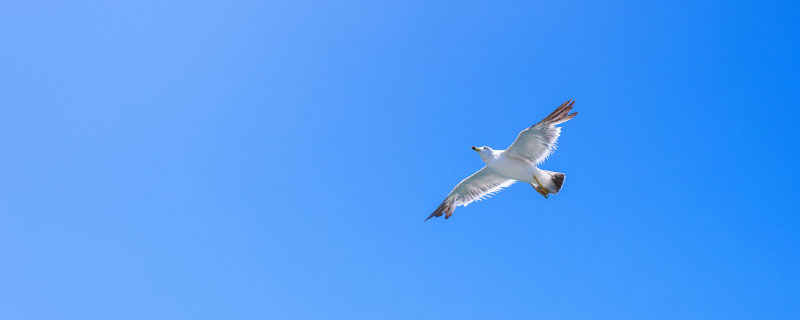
column 517, row 163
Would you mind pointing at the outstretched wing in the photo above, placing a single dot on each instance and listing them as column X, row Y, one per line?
column 536, row 143
column 478, row 186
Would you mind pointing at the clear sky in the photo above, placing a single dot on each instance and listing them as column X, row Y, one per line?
column 276, row 160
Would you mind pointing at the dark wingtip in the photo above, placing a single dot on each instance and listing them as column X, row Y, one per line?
column 560, row 114
column 446, row 207
column 437, row 212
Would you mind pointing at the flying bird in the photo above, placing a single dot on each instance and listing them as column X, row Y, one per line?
column 517, row 163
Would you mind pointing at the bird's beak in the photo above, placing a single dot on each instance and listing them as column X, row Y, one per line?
column 476, row 149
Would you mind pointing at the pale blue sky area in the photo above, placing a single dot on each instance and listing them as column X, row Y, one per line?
column 276, row 160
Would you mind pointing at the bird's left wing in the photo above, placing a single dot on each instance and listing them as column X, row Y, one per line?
column 478, row 186
column 536, row 143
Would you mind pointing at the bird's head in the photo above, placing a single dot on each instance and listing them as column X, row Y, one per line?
column 484, row 152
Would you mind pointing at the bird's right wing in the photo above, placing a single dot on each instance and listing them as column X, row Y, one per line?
column 478, row 186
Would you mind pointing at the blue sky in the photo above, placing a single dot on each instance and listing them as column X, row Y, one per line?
column 268, row 160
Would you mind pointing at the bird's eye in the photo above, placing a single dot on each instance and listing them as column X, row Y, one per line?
column 485, row 148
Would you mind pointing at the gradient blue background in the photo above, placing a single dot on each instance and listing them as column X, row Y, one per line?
column 275, row 160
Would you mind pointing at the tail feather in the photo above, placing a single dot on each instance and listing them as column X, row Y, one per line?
column 551, row 181
column 557, row 178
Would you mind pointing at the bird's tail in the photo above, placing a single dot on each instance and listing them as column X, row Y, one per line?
column 550, row 180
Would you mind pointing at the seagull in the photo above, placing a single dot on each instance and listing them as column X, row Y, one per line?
column 517, row 163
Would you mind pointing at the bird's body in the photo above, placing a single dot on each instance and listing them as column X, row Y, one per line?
column 517, row 163
column 510, row 167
